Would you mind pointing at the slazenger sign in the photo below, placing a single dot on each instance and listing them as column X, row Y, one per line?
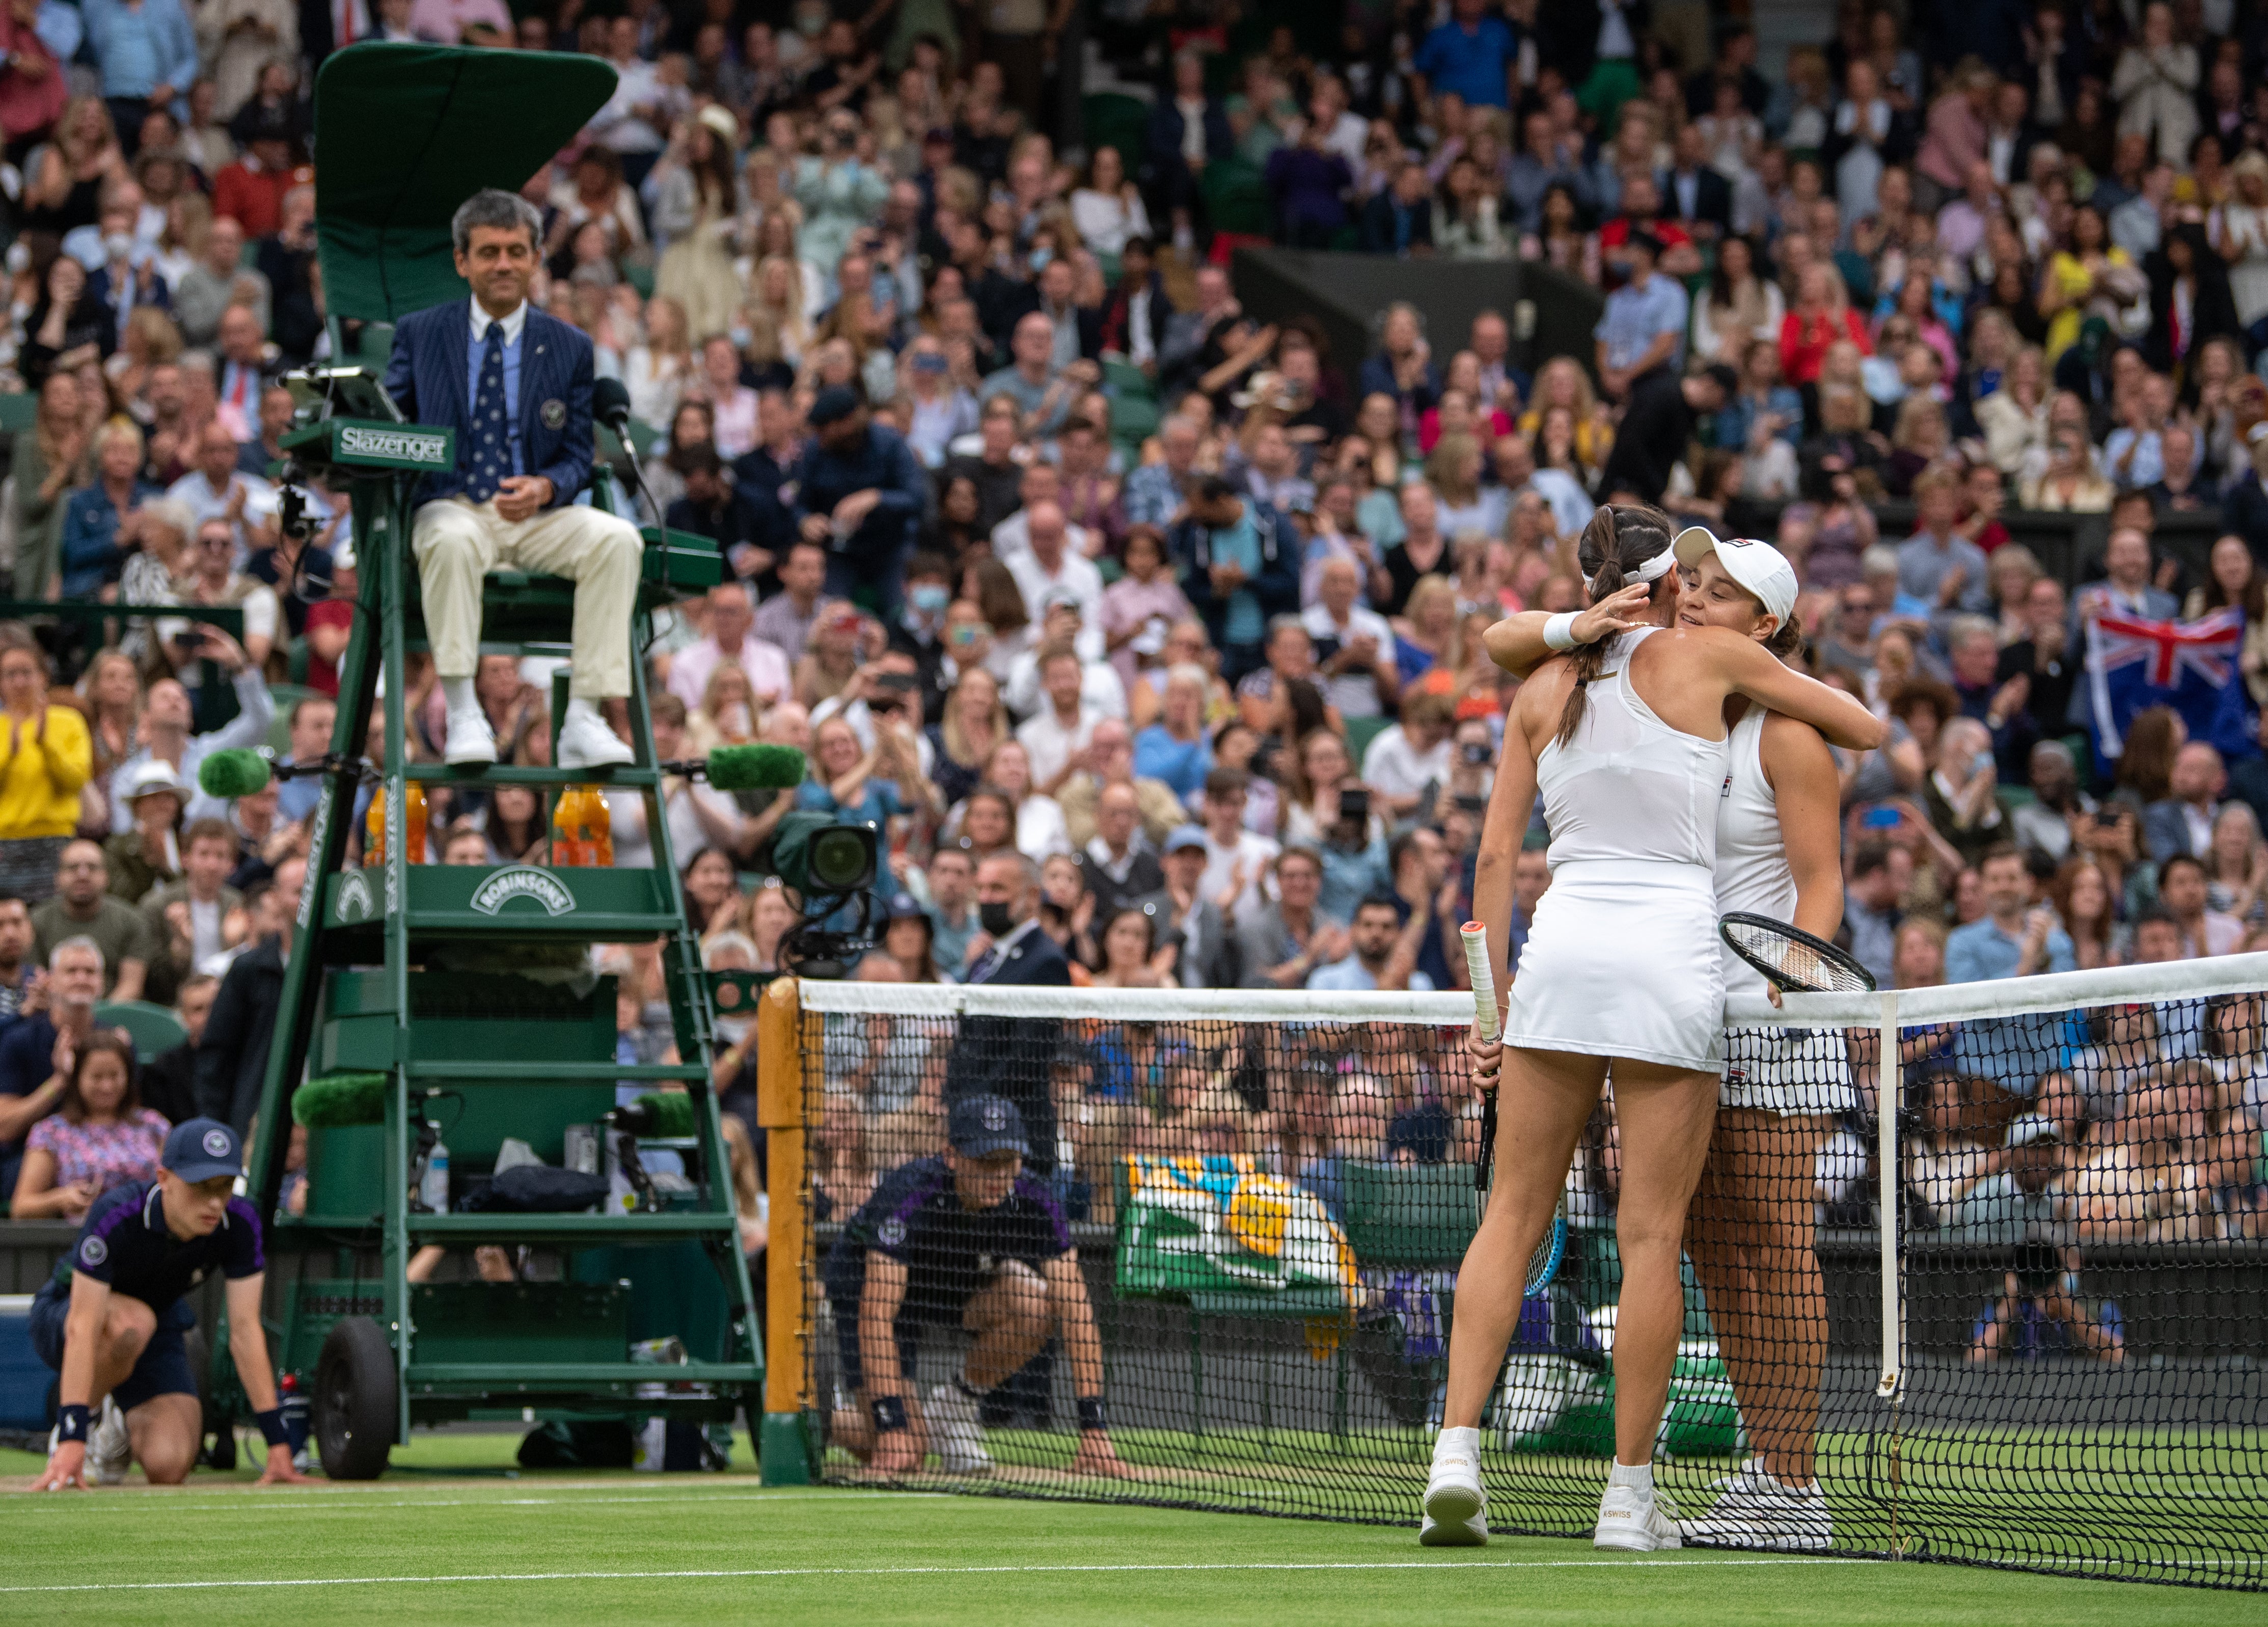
column 409, row 446
column 522, row 882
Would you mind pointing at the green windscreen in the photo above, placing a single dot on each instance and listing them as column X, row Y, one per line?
column 406, row 133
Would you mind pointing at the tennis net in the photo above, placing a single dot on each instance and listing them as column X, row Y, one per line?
column 1989, row 1263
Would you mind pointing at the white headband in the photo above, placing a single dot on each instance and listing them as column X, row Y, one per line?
column 1654, row 569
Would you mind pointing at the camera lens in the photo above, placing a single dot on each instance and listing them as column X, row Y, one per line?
column 841, row 859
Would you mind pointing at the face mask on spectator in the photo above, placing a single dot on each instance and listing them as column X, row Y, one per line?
column 928, row 597
column 117, row 246
column 996, row 919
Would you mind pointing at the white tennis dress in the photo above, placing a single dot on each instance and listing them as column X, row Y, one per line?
column 1622, row 958
column 1782, row 1071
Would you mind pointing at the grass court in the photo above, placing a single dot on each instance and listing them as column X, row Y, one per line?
column 447, row 1536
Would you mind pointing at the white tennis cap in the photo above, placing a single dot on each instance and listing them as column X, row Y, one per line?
column 1757, row 566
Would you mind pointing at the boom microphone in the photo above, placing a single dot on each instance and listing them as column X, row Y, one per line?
column 658, row 1113
column 233, row 773
column 755, row 768
column 610, row 405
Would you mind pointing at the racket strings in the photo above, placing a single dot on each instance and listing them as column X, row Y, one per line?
column 1793, row 963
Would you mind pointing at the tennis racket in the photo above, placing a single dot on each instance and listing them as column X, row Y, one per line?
column 1794, row 960
column 1543, row 1264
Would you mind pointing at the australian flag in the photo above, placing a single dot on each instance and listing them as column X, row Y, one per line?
column 2133, row 663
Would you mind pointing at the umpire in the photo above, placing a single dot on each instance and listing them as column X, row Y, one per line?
column 967, row 1241
column 111, row 1320
column 1012, row 1056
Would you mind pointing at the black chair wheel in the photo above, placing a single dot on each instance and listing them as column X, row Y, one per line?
column 355, row 1400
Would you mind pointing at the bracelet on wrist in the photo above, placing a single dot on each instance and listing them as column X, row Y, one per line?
column 1559, row 631
column 71, row 1424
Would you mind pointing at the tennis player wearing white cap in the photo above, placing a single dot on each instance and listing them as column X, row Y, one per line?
column 1748, row 1231
column 1625, row 743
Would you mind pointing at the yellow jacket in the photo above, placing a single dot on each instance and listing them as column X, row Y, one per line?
column 40, row 779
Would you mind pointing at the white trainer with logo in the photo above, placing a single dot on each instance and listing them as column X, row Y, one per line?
column 1761, row 1513
column 1456, row 1503
column 956, row 1433
column 1636, row 1519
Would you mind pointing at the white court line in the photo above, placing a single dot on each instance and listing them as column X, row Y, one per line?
column 1444, row 1565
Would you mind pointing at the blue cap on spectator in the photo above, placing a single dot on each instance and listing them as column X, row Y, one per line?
column 198, row 1149
column 979, row 1125
column 1185, row 836
column 835, row 404
column 904, row 907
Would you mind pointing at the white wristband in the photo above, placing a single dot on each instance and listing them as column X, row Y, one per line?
column 1559, row 631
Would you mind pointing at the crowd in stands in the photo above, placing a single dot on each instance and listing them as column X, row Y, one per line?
column 1043, row 547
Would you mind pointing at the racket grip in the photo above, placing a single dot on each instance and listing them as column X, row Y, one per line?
column 1477, row 963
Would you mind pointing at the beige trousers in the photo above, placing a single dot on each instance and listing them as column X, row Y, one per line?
column 457, row 543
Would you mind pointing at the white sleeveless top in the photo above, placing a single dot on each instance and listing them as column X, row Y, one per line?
column 1628, row 786
column 1752, row 871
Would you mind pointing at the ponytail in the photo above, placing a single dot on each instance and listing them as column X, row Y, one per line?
column 1787, row 637
column 1617, row 539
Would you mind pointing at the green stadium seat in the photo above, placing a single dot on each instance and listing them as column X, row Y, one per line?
column 287, row 696
column 18, row 413
column 1236, row 199
column 1114, row 119
column 1123, row 379
column 154, row 1027
column 1132, row 421
column 1359, row 734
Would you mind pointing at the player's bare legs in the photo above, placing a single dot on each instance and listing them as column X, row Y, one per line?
column 1750, row 1235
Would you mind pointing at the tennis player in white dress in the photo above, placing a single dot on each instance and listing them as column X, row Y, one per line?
column 1624, row 740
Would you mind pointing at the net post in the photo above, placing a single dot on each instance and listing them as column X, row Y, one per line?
column 1887, row 1092
column 783, row 1445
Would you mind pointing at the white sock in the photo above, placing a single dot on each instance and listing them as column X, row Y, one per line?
column 579, row 709
column 457, row 694
column 1457, row 1443
column 1638, row 1476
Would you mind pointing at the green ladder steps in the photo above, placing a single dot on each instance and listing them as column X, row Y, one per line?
column 478, row 774
column 501, row 1226
column 439, row 1069
column 533, row 1378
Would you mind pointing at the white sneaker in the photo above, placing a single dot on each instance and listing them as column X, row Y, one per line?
column 470, row 739
column 109, row 1449
column 956, row 1433
column 1636, row 1520
column 1759, row 1512
column 586, row 742
column 1456, row 1503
